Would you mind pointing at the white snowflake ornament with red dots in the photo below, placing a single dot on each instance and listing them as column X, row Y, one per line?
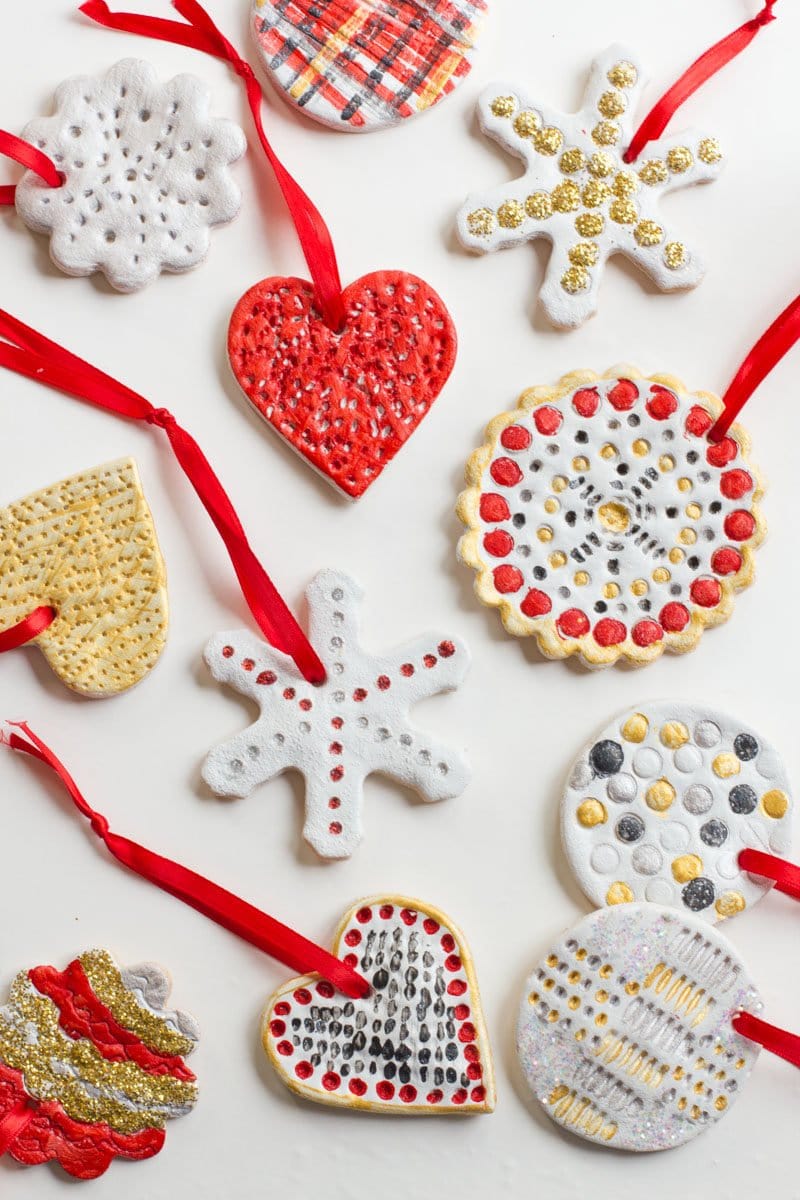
column 354, row 724
column 603, row 521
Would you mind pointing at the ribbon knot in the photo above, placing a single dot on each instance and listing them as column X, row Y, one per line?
column 765, row 16
column 161, row 417
column 99, row 825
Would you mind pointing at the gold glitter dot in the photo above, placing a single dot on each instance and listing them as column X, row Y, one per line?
column 580, row 1034
column 653, row 171
column 585, row 254
column 666, row 463
column 610, row 590
column 606, row 133
column 559, row 483
column 611, row 104
column 601, row 996
column 557, row 560
column 552, row 1016
column 544, row 533
column 639, row 587
column 589, row 224
column 676, row 555
column 641, row 447
column 572, row 160
column 575, row 279
column 566, row 196
column 548, row 140
column 674, row 734
column 625, row 184
column 648, row 233
column 726, row 765
column 573, row 1003
column 679, row 159
column 549, row 984
column 619, row 893
column 601, row 1019
column 674, row 255
column 614, row 516
column 526, row 124
column 608, row 451
column 551, row 505
column 481, row 222
column 601, row 164
column 580, row 463
column 539, row 206
column 581, row 578
column 709, row 151
column 635, row 728
column 661, row 575
column 694, row 511
column 606, row 971
column 596, row 193
column 503, row 106
column 623, row 212
column 574, row 977
column 685, row 484
column 660, row 795
column 632, row 988
column 622, row 75
column 687, row 867
column 510, row 214
column 728, row 904
column 687, row 536
column 590, row 813
column 533, row 998
column 775, row 804
column 721, row 1103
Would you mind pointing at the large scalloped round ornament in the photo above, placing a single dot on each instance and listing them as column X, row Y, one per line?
column 602, row 521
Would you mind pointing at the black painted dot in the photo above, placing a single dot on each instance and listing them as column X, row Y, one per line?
column 692, row 456
column 714, row 832
column 623, row 469
column 742, row 799
column 715, row 506
column 633, row 420
column 746, row 746
column 629, row 828
column 613, row 566
column 582, row 437
column 536, row 464
column 698, row 894
column 606, row 757
column 570, row 518
column 601, row 606
column 518, row 520
column 694, row 562
column 539, row 573
column 672, row 511
column 380, row 979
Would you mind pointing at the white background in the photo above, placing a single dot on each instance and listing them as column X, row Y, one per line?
column 490, row 858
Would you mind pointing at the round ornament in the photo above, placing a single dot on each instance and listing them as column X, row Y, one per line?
column 624, row 1031
column 602, row 521
column 660, row 804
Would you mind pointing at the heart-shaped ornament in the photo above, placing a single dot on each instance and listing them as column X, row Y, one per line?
column 416, row 1044
column 345, row 400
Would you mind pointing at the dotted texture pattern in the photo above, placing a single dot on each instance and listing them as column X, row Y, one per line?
column 417, row 1044
column 87, row 547
column 624, row 1030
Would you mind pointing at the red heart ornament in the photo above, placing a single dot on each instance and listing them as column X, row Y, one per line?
column 346, row 400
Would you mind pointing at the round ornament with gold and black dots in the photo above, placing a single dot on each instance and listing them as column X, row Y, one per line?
column 660, row 804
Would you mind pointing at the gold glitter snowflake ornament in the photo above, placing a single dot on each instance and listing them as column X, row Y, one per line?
column 578, row 191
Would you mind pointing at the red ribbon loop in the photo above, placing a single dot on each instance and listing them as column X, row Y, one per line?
column 786, row 876
column 220, row 905
column 28, row 628
column 27, row 156
column 771, row 1037
column 31, row 354
column 701, row 70
column 14, row 1122
column 202, row 34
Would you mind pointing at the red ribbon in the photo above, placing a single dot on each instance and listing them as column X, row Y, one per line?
column 698, row 73
column 785, row 876
column 766, row 354
column 27, row 156
column 241, row 918
column 28, row 628
column 777, row 1041
column 202, row 34
column 13, row 1123
column 31, row 354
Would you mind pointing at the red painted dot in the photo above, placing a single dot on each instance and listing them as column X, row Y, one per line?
column 337, row 722
column 608, row 632
column 516, row 437
column 335, row 828
column 460, row 1097
column 547, row 420
column 324, row 989
column 408, row 916
column 674, row 617
column 471, row 1054
column 430, row 660
column 467, row 1032
column 227, row 651
column 726, row 561
column 448, row 943
column 384, row 682
column 288, row 693
column 573, row 623
column 266, row 677
column 334, row 802
column 357, row 1087
column 360, row 694
column 623, row 395
column 493, row 508
column 536, row 603
column 722, row 452
column 385, row 1090
column 408, row 1094
column 352, row 937
column 662, row 403
column 706, row 592
column 474, row 1070
column 330, row 1081
column 735, row 484
column 351, row 960
column 305, row 705
column 456, row 987
column 407, row 669
column 364, row 915
column 645, row 633
column 586, row 401
column 435, row 1097
column 335, row 748
column 336, row 774
column 461, row 1012
column 478, row 1095
column 452, row 963
column 282, row 1008
column 303, row 1070
column 285, row 1049
column 698, row 421
column 739, row 525
column 387, row 911
column 507, row 579
column 302, row 996
column 446, row 649
column 505, row 472
column 248, row 664
column 277, row 1028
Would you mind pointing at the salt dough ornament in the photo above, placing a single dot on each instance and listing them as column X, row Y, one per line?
column 580, row 194
column 345, row 400
column 336, row 734
column 145, row 173
column 659, row 806
column 417, row 1044
column 87, row 547
column 603, row 522
column 92, row 1060
column 360, row 65
column 625, row 1033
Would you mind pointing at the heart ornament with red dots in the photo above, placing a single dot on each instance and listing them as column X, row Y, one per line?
column 416, row 1044
column 603, row 521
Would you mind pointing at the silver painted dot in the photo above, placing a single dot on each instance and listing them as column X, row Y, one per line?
column 605, row 858
column 622, row 788
column 688, row 759
column 698, row 799
column 707, row 734
column 337, row 594
column 768, row 764
column 647, row 860
column 305, row 727
column 581, row 776
column 647, row 763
